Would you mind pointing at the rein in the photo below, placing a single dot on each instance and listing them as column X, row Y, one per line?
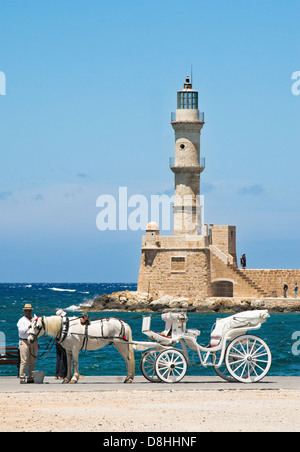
column 45, row 352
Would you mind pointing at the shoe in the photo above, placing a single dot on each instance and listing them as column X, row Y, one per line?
column 22, row 381
column 30, row 381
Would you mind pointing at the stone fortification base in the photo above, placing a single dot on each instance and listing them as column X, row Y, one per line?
column 143, row 302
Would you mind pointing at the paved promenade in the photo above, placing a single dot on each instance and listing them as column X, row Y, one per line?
column 115, row 383
column 106, row 404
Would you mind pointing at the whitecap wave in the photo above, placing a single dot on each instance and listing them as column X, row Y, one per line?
column 57, row 289
column 86, row 304
column 72, row 308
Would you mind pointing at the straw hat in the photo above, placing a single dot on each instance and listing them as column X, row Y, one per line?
column 27, row 307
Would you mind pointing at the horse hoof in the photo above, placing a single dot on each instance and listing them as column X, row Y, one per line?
column 73, row 382
column 128, row 380
column 64, row 382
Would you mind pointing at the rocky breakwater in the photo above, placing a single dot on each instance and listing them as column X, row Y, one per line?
column 143, row 302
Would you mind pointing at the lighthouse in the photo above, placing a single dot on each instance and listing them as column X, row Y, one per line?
column 187, row 165
column 194, row 261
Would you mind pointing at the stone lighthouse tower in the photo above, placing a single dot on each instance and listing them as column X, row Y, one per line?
column 187, row 165
column 192, row 262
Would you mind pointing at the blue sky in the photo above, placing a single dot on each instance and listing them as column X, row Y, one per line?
column 89, row 91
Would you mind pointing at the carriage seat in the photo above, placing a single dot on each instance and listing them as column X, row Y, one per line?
column 158, row 337
column 165, row 338
column 243, row 320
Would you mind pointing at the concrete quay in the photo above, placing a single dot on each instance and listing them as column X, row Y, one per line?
column 115, row 383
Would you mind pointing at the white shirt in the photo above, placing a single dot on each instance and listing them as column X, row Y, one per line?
column 23, row 327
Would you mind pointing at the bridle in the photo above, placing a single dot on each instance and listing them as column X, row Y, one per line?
column 39, row 328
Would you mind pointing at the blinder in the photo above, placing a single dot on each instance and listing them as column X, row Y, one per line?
column 39, row 328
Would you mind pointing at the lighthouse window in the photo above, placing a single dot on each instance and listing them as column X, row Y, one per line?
column 195, row 101
column 187, row 100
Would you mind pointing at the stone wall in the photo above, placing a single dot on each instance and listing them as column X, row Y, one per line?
column 272, row 280
column 178, row 272
column 224, row 238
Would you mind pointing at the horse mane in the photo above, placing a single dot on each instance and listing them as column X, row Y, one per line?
column 53, row 325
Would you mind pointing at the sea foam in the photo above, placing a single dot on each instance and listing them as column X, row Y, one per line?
column 61, row 290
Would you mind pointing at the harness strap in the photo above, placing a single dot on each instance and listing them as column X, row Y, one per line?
column 64, row 330
column 85, row 339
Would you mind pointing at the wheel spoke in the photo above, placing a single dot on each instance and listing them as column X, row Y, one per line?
column 236, row 361
column 237, row 351
column 251, row 351
column 242, row 346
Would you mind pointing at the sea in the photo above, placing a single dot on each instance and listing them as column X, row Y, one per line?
column 281, row 331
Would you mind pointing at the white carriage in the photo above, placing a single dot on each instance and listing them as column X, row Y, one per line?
column 234, row 355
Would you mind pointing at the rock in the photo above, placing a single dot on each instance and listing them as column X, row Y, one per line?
column 143, row 302
column 259, row 304
column 115, row 306
column 179, row 303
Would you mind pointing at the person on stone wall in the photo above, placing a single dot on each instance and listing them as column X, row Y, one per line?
column 296, row 290
column 243, row 260
column 285, row 288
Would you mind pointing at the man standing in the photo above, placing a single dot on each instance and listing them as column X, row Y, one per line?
column 243, row 261
column 28, row 352
column 285, row 288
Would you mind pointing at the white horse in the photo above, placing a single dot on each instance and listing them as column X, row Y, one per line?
column 73, row 337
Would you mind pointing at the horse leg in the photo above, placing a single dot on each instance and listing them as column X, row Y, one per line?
column 126, row 350
column 69, row 367
column 75, row 377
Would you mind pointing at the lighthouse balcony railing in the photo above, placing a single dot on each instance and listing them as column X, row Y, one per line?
column 173, row 116
column 201, row 163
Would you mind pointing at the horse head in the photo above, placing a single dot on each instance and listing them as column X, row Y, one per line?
column 37, row 328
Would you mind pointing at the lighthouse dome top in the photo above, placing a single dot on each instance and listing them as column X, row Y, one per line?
column 152, row 226
column 187, row 98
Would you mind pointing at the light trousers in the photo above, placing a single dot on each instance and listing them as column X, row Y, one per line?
column 27, row 356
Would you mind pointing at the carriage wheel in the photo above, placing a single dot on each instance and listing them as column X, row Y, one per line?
column 171, row 366
column 222, row 370
column 248, row 359
column 148, row 366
